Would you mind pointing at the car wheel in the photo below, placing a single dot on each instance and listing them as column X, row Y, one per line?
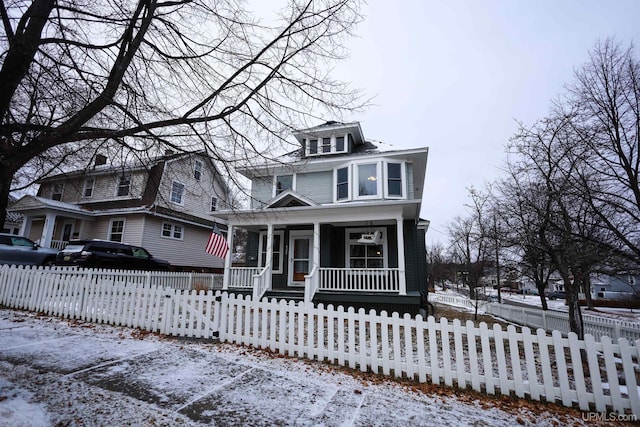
column 49, row 262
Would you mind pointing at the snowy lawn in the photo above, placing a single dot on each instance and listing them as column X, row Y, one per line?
column 56, row 372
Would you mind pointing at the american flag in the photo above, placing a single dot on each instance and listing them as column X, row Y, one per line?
column 217, row 244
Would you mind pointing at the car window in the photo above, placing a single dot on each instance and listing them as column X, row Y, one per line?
column 21, row 241
column 73, row 248
column 140, row 253
column 5, row 240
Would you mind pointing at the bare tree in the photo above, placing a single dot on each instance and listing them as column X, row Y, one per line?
column 603, row 104
column 81, row 77
column 469, row 248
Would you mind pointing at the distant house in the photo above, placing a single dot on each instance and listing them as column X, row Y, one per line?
column 615, row 287
column 167, row 206
column 13, row 221
column 336, row 222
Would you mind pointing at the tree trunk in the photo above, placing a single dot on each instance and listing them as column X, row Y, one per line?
column 5, row 187
column 541, row 286
column 575, row 315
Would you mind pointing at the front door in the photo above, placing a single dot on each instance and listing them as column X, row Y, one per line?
column 301, row 258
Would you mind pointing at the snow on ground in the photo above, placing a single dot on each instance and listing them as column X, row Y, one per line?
column 55, row 372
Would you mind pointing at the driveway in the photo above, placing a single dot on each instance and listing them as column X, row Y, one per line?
column 55, row 372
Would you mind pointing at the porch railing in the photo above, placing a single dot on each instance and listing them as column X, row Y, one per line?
column 242, row 277
column 58, row 244
column 261, row 283
column 359, row 279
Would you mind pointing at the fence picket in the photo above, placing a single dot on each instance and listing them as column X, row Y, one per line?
column 487, row 358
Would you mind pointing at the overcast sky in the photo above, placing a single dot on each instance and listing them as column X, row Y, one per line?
column 455, row 75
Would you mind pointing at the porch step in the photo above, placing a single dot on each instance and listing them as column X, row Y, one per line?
column 287, row 294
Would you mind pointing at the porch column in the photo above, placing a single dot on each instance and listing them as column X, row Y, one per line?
column 25, row 227
column 227, row 259
column 401, row 264
column 47, row 230
column 316, row 244
column 269, row 259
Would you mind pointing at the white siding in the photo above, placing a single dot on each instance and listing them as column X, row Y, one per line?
column 197, row 195
column 133, row 228
column 186, row 252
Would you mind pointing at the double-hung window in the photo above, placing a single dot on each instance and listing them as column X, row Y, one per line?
column 394, row 179
column 197, row 170
column 88, row 187
column 342, row 184
column 56, row 191
column 177, row 193
column 124, row 185
column 214, row 204
column 116, row 230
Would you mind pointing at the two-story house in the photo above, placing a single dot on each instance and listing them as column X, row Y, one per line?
column 336, row 222
column 166, row 205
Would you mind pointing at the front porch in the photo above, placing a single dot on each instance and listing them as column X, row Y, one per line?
column 337, row 260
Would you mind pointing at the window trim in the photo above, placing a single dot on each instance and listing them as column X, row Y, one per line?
column 279, row 270
column 274, row 190
column 54, row 192
column 356, row 181
column 403, row 179
column 335, row 183
column 173, row 226
column 124, row 224
column 198, row 168
column 182, row 195
column 365, row 230
column 333, row 145
column 85, row 187
column 119, row 185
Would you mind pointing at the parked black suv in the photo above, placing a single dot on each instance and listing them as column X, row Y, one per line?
column 104, row 254
column 22, row 251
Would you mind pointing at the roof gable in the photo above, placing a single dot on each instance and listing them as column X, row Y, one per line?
column 290, row 199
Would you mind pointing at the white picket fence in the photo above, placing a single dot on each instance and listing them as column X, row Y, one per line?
column 551, row 320
column 593, row 375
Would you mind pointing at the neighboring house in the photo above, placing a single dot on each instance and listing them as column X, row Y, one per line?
column 615, row 287
column 337, row 221
column 166, row 205
column 13, row 221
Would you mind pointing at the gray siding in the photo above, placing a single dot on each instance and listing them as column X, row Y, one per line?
column 415, row 257
column 410, row 187
column 318, row 186
column 261, row 191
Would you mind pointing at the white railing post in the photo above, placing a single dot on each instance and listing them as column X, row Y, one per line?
column 402, row 279
column 311, row 284
column 227, row 259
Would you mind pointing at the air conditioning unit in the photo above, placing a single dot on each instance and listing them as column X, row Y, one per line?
column 370, row 238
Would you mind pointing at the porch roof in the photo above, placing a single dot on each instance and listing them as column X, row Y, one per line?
column 34, row 204
column 350, row 212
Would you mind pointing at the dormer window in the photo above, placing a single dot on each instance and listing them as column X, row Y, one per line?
column 326, row 145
